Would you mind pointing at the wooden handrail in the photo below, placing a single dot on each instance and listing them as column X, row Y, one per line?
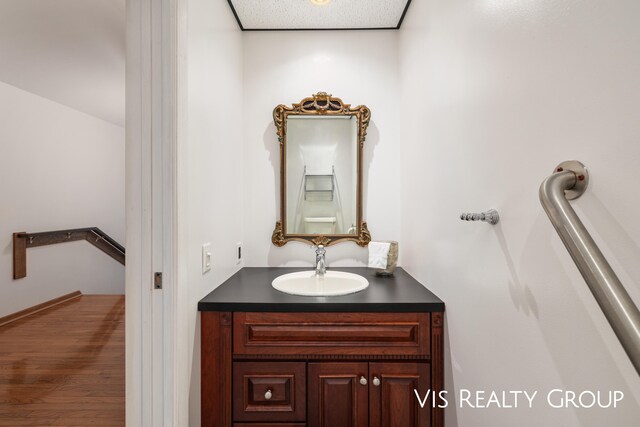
column 93, row 235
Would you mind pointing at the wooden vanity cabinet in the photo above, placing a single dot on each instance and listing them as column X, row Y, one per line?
column 320, row 369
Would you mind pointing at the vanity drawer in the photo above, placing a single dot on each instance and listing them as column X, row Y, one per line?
column 371, row 334
column 269, row 391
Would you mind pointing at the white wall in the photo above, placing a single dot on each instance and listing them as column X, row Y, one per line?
column 214, row 164
column 360, row 67
column 60, row 169
column 69, row 51
column 496, row 94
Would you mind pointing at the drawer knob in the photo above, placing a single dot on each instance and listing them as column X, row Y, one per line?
column 363, row 380
column 268, row 395
column 376, row 381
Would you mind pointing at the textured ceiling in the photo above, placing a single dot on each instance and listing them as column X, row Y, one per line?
column 304, row 15
column 69, row 51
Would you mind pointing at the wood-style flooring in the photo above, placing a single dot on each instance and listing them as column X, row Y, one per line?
column 65, row 366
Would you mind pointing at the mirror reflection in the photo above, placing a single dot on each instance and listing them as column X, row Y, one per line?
column 321, row 174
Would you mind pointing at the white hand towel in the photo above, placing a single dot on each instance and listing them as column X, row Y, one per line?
column 378, row 254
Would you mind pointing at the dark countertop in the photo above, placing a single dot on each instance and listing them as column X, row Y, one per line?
column 250, row 290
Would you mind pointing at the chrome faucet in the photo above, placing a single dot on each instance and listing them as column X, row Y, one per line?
column 321, row 269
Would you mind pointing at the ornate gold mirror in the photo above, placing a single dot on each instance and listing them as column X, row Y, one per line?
column 321, row 141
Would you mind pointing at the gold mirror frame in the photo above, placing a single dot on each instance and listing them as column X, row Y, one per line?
column 320, row 104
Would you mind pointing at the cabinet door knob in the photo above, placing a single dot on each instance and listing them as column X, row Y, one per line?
column 268, row 395
column 363, row 380
column 376, row 381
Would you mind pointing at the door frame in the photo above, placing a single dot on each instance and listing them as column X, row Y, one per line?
column 156, row 355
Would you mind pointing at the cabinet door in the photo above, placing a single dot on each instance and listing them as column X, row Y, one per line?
column 392, row 401
column 335, row 395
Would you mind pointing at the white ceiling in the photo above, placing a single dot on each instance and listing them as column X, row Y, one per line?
column 69, row 51
column 302, row 14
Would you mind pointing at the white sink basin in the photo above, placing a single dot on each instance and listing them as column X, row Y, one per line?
column 306, row 283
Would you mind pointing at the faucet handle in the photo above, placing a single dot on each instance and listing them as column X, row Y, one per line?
column 320, row 250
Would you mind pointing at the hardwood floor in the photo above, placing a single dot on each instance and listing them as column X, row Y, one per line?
column 65, row 366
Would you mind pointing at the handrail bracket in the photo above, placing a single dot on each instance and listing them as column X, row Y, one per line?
column 581, row 178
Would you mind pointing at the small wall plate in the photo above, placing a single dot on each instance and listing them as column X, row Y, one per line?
column 582, row 177
column 206, row 257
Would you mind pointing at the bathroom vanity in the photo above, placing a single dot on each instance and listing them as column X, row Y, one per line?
column 271, row 359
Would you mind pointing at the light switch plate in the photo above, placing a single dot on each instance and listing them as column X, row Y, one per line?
column 238, row 253
column 206, row 257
